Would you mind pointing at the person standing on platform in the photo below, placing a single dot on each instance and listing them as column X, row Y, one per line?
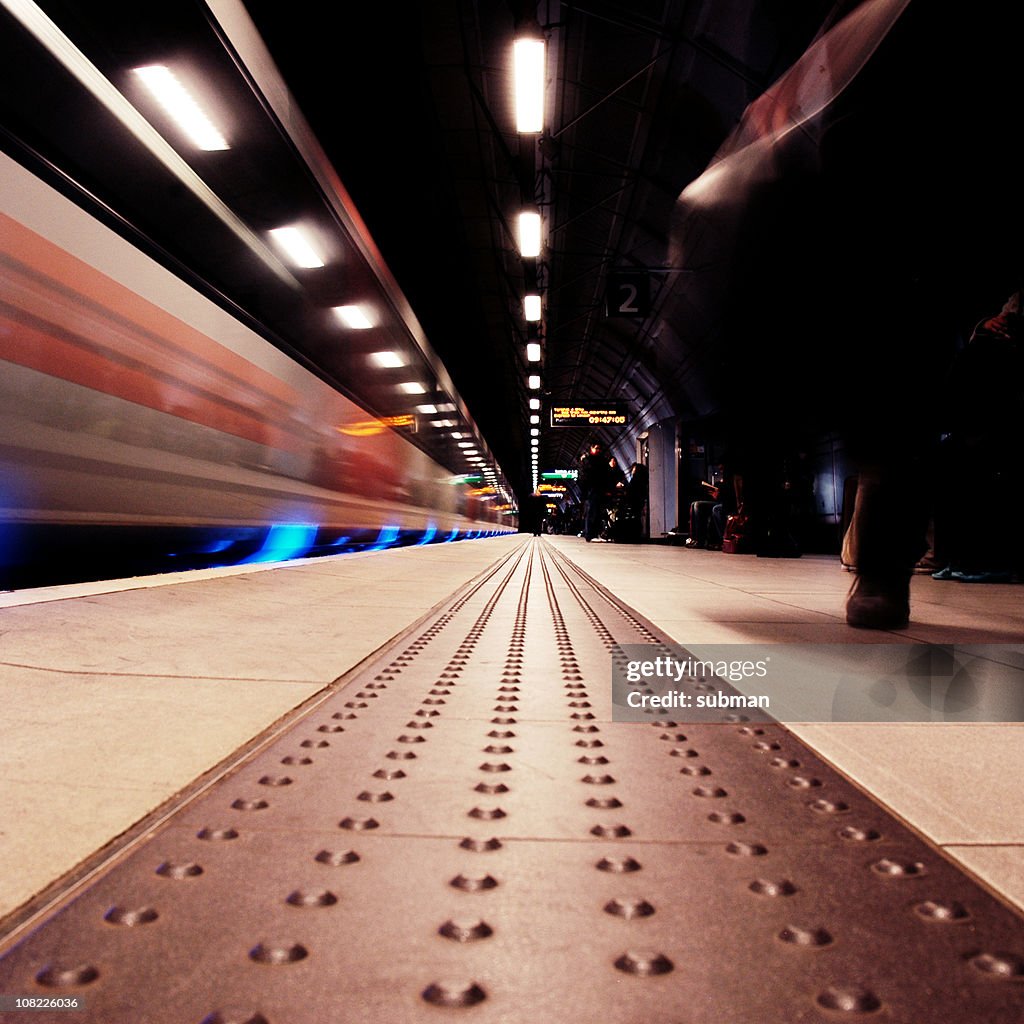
column 616, row 477
column 538, row 513
column 593, row 483
column 634, row 503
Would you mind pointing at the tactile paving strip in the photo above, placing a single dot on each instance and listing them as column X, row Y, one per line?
column 461, row 832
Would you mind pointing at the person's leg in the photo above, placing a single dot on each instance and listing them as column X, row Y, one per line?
column 889, row 540
column 592, row 521
column 716, row 526
column 700, row 512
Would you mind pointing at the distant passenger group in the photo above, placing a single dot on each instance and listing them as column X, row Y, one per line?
column 612, row 503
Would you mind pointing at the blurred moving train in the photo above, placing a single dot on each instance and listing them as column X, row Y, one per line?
column 175, row 392
column 144, row 428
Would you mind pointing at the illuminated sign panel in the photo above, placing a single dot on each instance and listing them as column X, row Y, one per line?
column 405, row 420
column 594, row 414
column 367, row 428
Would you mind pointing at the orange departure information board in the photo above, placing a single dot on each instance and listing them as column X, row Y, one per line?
column 593, row 414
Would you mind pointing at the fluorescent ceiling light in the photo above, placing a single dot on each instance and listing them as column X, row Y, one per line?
column 533, row 351
column 426, row 410
column 179, row 103
column 60, row 47
column 531, row 307
column 534, row 403
column 446, row 407
column 535, row 419
column 355, row 317
column 412, row 387
column 528, row 77
column 386, row 360
column 298, row 247
column 533, row 382
column 534, row 431
column 529, row 234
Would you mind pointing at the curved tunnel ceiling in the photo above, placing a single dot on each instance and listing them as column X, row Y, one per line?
column 640, row 98
column 412, row 106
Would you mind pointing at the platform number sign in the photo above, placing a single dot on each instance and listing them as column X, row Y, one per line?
column 628, row 294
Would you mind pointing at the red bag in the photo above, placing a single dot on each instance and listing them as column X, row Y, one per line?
column 738, row 538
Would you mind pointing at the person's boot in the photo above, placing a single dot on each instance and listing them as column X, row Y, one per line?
column 879, row 602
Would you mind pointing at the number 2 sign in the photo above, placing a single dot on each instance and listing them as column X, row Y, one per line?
column 628, row 294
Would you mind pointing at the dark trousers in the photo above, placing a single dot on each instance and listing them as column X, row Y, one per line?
column 592, row 509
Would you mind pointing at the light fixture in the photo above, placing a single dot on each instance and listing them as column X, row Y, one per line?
column 298, row 247
column 529, row 234
column 426, row 410
column 533, row 382
column 535, row 419
column 179, row 103
column 412, row 387
column 386, row 360
column 533, row 351
column 534, row 431
column 531, row 307
column 355, row 317
column 528, row 78
column 534, row 403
